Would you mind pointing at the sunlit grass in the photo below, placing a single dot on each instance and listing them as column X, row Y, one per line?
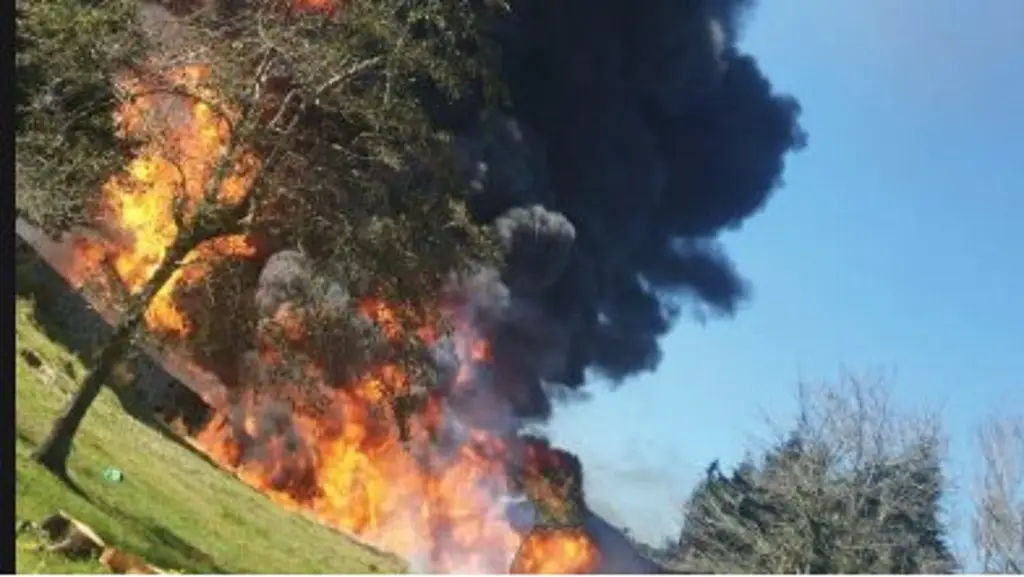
column 172, row 507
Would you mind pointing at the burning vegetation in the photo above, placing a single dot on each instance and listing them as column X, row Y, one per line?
column 183, row 139
column 423, row 483
column 297, row 222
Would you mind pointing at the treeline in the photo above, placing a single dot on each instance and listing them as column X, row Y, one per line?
column 855, row 486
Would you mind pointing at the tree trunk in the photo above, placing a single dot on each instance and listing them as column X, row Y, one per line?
column 53, row 452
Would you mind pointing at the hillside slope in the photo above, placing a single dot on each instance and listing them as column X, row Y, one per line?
column 172, row 507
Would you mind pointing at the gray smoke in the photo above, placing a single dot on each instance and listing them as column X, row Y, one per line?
column 538, row 244
column 285, row 276
column 288, row 276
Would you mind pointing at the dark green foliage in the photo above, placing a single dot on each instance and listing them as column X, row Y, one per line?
column 353, row 172
column 68, row 52
column 360, row 177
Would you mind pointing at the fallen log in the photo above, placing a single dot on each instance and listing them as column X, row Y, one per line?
column 118, row 561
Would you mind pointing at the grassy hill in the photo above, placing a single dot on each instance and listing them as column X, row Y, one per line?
column 172, row 507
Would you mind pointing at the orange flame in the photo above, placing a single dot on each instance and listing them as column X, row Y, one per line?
column 559, row 550
column 316, row 6
column 349, row 466
column 184, row 140
column 354, row 472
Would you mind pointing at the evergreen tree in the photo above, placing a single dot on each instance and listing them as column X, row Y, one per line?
column 842, row 493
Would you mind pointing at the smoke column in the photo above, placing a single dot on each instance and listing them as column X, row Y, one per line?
column 637, row 132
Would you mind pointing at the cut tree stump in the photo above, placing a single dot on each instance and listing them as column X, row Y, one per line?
column 71, row 537
column 76, row 540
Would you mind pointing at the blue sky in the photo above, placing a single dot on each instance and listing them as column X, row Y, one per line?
column 892, row 246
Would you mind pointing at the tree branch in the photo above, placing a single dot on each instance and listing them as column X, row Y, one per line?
column 347, row 74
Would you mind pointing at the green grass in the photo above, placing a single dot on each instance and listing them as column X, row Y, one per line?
column 172, row 508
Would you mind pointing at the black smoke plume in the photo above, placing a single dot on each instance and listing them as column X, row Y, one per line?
column 637, row 132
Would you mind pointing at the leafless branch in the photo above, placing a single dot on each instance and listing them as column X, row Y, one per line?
column 347, row 74
column 998, row 528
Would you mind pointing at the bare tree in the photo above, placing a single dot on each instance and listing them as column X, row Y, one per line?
column 998, row 528
column 853, row 487
column 325, row 125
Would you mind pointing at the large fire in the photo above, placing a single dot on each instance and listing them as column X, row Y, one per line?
column 183, row 140
column 353, row 463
